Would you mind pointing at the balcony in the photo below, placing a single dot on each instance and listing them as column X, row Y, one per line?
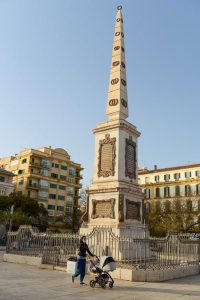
column 35, row 164
column 33, row 185
column 43, row 187
column 43, row 198
column 40, row 165
column 69, row 193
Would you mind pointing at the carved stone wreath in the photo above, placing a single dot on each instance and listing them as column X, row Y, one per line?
column 130, row 159
column 103, row 208
column 107, row 155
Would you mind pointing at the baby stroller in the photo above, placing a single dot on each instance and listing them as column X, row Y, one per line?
column 102, row 268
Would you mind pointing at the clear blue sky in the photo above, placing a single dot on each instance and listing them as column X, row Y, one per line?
column 54, row 70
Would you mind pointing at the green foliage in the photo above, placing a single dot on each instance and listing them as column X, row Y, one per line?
column 173, row 215
column 26, row 211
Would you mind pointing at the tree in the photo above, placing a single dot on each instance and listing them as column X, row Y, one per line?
column 173, row 215
column 26, row 211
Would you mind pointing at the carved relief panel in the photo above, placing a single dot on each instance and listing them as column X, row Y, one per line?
column 130, row 159
column 103, row 208
column 133, row 210
column 107, row 154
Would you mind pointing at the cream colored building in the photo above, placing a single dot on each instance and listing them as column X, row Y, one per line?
column 49, row 176
column 6, row 184
column 180, row 182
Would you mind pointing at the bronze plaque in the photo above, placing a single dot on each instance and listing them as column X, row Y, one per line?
column 130, row 159
column 106, row 164
column 132, row 210
column 103, row 208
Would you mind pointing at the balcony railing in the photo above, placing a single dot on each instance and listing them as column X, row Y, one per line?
column 33, row 185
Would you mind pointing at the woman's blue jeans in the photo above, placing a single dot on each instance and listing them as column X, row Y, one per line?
column 81, row 262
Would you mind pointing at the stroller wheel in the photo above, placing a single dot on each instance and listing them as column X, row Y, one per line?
column 110, row 285
column 92, row 283
column 103, row 285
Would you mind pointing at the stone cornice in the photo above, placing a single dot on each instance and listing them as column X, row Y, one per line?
column 136, row 192
column 121, row 124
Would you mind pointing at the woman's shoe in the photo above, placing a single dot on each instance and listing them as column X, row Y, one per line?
column 83, row 283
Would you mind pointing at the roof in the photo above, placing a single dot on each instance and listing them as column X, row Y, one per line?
column 5, row 172
column 189, row 166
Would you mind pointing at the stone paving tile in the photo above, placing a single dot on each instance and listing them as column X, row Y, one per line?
column 23, row 282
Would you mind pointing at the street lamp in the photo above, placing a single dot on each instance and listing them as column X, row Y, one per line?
column 11, row 215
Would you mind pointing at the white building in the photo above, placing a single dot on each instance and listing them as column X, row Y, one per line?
column 6, row 185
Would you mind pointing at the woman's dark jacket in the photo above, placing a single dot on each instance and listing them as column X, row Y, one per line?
column 83, row 248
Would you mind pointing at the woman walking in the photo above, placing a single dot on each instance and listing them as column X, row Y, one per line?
column 81, row 259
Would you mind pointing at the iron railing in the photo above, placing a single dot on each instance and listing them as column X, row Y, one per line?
column 145, row 253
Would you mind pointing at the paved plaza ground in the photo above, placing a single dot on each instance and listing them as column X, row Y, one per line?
column 23, row 282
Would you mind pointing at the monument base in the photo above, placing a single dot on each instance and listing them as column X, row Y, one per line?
column 140, row 231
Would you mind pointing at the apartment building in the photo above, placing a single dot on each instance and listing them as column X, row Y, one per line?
column 180, row 182
column 6, row 184
column 49, row 176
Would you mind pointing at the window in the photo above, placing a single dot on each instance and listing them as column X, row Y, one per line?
column 166, row 191
column 52, row 196
column 24, row 161
column 21, row 182
column 21, row 171
column 69, row 201
column 61, row 197
column 167, row 177
column 177, row 176
column 44, row 184
column 70, row 190
column 70, row 179
column 198, row 189
column 62, row 177
column 147, row 179
column 187, row 174
column 44, row 172
column 147, row 193
column 54, row 165
column 157, row 178
column 60, row 208
column 46, row 163
column 187, row 190
column 51, row 207
column 53, row 186
column 2, row 179
column 72, row 171
column 197, row 173
column 63, row 167
column 157, row 192
column 68, row 210
column 62, row 187
column 54, row 175
column 42, row 195
column 177, row 190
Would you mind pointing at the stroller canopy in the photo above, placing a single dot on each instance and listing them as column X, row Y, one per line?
column 107, row 263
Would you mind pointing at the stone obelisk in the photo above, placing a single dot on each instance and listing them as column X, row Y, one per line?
column 114, row 197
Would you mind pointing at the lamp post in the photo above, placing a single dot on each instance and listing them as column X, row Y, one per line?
column 11, row 215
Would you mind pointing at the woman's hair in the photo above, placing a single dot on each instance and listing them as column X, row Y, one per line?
column 82, row 238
